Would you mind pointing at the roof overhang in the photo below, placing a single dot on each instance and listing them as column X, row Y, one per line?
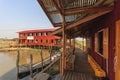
column 75, row 12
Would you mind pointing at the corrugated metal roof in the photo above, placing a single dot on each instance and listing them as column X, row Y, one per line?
column 56, row 18
column 65, row 5
column 39, row 30
column 73, row 18
column 68, row 4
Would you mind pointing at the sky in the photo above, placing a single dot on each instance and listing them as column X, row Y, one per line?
column 18, row 15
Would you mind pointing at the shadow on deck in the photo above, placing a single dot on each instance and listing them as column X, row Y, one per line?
column 82, row 70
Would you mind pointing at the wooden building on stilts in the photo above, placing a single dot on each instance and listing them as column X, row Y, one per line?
column 97, row 21
column 38, row 38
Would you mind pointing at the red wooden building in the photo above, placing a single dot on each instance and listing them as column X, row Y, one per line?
column 38, row 37
column 96, row 20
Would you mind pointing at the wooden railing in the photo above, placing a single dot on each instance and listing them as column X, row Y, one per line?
column 45, row 69
column 44, row 65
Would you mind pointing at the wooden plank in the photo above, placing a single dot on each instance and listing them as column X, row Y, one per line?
column 105, row 43
column 84, row 10
column 37, row 75
column 117, row 59
column 43, row 76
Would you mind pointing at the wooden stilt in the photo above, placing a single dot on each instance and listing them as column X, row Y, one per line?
column 50, row 51
column 17, row 66
column 41, row 57
column 31, row 60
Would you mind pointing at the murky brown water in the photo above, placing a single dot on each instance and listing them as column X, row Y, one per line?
column 8, row 62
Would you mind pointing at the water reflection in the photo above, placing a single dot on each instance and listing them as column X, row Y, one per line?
column 25, row 56
column 8, row 62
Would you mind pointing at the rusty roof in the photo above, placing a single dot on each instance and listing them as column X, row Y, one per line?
column 38, row 30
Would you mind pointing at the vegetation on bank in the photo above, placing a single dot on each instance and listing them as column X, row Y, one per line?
column 7, row 43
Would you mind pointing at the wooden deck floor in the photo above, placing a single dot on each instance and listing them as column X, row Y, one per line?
column 83, row 70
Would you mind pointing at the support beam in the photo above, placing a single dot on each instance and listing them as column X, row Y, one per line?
column 85, row 10
column 58, row 24
column 64, row 44
column 89, row 18
column 86, row 19
column 80, row 10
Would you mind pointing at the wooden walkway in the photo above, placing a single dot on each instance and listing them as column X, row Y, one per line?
column 83, row 70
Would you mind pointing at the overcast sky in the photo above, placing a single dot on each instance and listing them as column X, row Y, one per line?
column 17, row 15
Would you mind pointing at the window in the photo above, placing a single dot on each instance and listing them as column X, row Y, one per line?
column 46, row 41
column 36, row 34
column 52, row 41
column 41, row 40
column 39, row 34
column 99, row 42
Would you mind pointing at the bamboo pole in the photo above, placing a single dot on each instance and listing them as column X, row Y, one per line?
column 17, row 65
column 31, row 60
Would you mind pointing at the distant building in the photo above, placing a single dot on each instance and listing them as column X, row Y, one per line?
column 38, row 38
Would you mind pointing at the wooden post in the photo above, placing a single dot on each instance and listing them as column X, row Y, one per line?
column 31, row 70
column 50, row 51
column 83, row 43
column 64, row 45
column 17, row 66
column 70, row 42
column 74, row 45
column 41, row 57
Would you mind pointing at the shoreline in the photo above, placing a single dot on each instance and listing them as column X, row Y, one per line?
column 13, row 49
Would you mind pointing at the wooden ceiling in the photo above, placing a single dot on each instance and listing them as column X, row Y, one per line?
column 74, row 13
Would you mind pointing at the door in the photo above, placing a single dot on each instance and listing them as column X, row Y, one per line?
column 117, row 58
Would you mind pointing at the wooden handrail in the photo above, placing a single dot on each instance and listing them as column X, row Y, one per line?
column 37, row 75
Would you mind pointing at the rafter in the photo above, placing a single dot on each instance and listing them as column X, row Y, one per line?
column 86, row 19
column 100, row 2
column 85, row 10
column 58, row 8
column 53, row 12
column 60, row 24
column 57, row 24
column 80, row 10
column 89, row 18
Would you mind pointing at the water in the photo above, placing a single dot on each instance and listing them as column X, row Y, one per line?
column 8, row 62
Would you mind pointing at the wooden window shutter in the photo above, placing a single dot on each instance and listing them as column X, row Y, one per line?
column 105, row 43
column 118, row 43
column 96, row 42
